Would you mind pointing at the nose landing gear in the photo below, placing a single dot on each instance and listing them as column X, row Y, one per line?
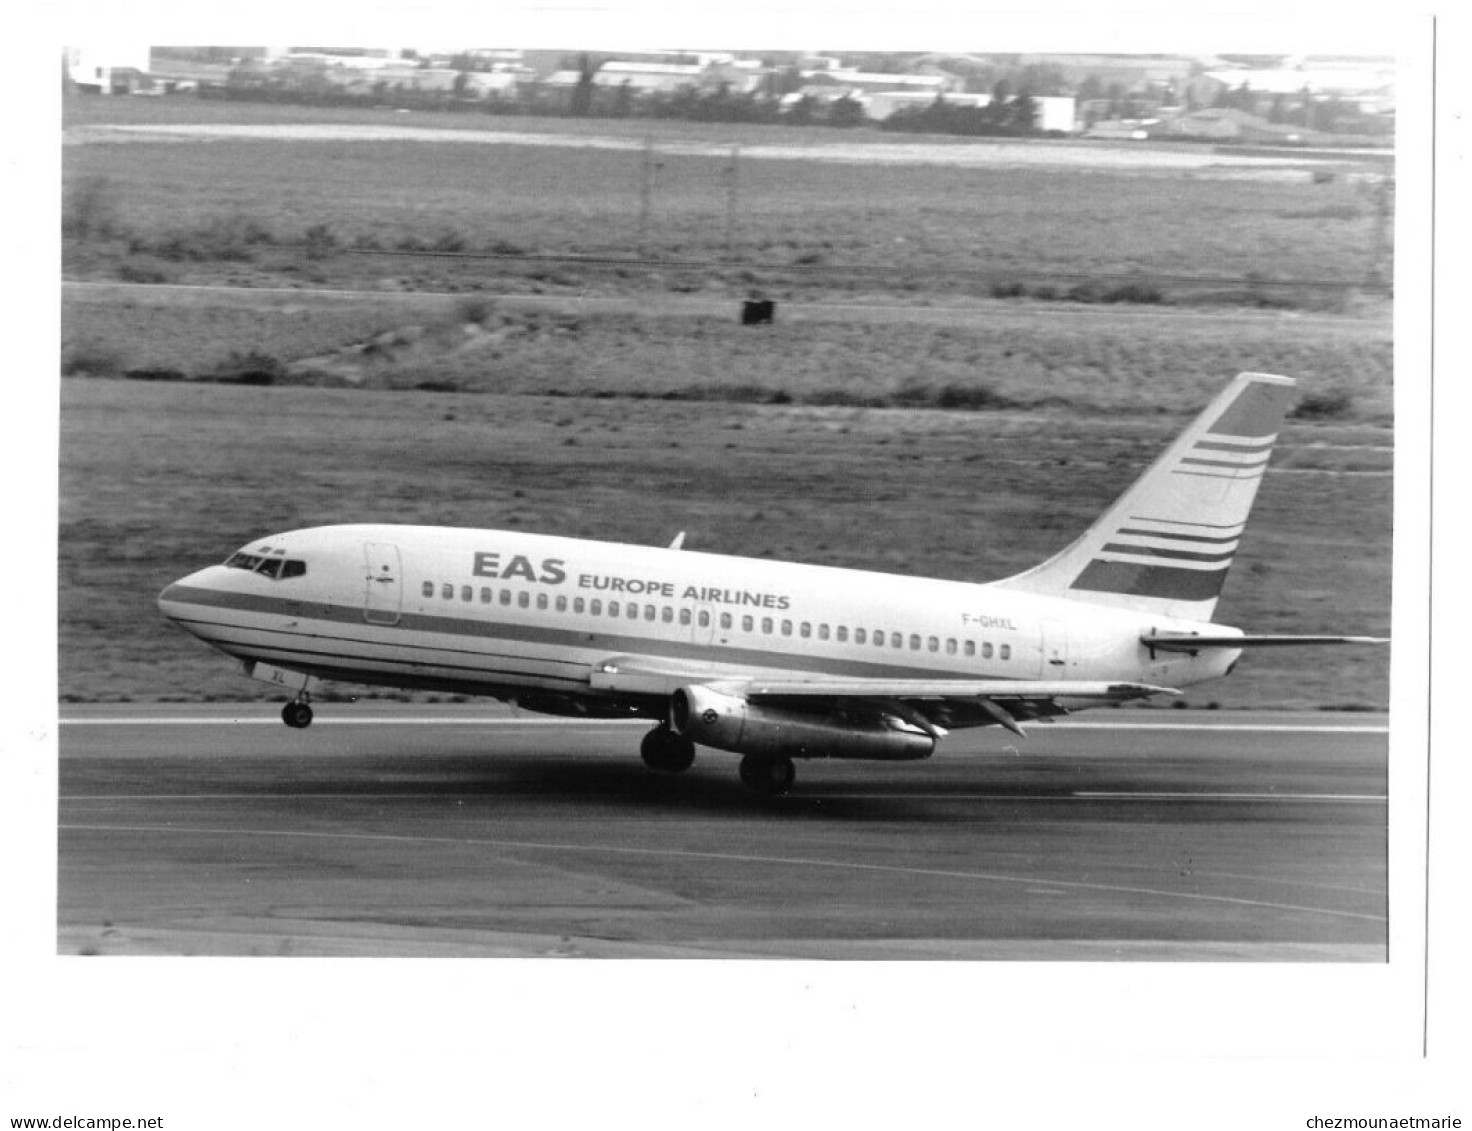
column 297, row 714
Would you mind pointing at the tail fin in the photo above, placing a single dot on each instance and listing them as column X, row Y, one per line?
column 1165, row 545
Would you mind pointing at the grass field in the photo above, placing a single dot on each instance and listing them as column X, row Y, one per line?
column 992, row 355
column 918, row 224
column 159, row 480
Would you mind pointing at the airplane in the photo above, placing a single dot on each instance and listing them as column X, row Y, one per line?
column 771, row 660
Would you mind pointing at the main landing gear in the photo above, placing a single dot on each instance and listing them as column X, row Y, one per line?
column 297, row 714
column 770, row 777
column 667, row 752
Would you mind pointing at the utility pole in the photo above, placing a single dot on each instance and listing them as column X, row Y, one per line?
column 1381, row 255
column 649, row 171
column 732, row 189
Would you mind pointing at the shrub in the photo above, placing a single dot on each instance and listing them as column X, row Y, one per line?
column 475, row 309
column 249, row 368
column 319, row 241
column 1334, row 404
column 155, row 373
column 91, row 359
column 136, row 271
column 1134, row 292
column 90, row 211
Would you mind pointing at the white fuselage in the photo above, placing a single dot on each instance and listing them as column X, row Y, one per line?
column 503, row 613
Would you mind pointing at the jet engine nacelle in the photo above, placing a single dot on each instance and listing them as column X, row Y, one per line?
column 729, row 722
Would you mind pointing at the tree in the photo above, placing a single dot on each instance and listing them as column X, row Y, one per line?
column 847, row 111
column 582, row 93
column 1022, row 112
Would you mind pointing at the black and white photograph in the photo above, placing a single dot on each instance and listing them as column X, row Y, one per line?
column 751, row 556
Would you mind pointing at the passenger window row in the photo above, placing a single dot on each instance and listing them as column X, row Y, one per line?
column 667, row 614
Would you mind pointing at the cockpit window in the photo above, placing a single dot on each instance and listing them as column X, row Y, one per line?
column 274, row 568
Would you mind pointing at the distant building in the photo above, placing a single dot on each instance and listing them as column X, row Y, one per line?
column 1232, row 125
column 116, row 69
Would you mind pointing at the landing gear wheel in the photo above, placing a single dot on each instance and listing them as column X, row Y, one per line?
column 297, row 715
column 666, row 751
column 770, row 777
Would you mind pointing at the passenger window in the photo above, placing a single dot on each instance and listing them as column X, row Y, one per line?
column 649, row 613
column 822, row 632
column 860, row 636
column 747, row 624
column 950, row 645
column 914, row 642
column 467, row 593
column 897, row 639
column 541, row 600
column 447, row 591
column 429, row 588
column 986, row 649
column 562, row 604
column 787, row 628
column 485, row 594
column 505, row 596
column 633, row 611
column 1006, row 651
column 970, row 648
column 843, row 633
column 805, row 630
column 725, row 620
column 523, row 599
column 932, row 644
column 767, row 625
column 667, row 615
column 613, row 609
column 595, row 606
column 684, row 616
column 577, row 605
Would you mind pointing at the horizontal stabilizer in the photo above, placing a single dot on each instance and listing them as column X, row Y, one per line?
column 1184, row 642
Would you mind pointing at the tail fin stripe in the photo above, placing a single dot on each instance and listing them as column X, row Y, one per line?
column 1237, row 526
column 1215, row 475
column 1243, row 446
column 1197, row 461
column 1168, row 582
column 1172, row 536
column 1161, row 552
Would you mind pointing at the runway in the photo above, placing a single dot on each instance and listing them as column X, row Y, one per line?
column 427, row 830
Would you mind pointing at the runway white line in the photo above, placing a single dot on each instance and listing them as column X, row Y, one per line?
column 728, row 858
column 1264, row 728
column 892, row 795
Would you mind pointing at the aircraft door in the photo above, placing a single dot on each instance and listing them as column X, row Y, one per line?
column 1054, row 649
column 383, row 592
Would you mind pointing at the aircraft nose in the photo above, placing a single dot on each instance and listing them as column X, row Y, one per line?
column 175, row 595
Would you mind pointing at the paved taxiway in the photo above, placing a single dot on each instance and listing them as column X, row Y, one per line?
column 431, row 829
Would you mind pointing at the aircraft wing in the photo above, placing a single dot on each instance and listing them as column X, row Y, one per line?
column 934, row 703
